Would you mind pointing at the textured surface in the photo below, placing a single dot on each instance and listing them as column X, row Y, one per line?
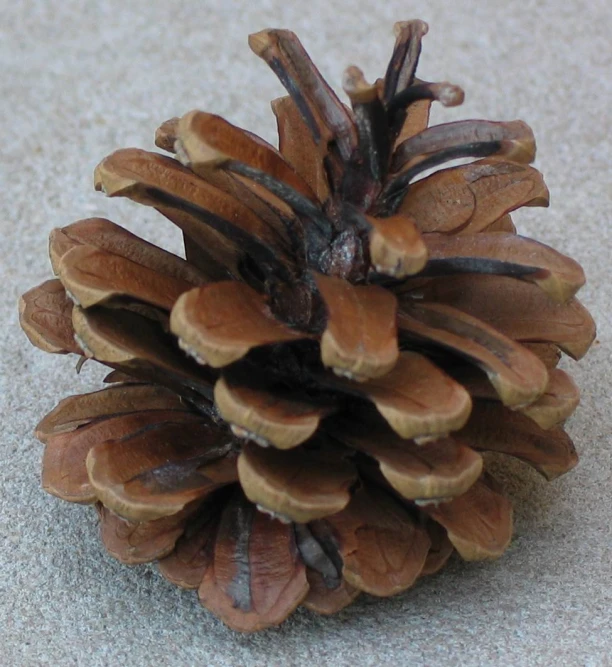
column 80, row 79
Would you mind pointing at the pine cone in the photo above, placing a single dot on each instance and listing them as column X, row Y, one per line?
column 338, row 348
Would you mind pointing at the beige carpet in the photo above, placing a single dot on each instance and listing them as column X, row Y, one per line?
column 79, row 79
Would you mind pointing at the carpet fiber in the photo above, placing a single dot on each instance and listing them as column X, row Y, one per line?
column 80, row 79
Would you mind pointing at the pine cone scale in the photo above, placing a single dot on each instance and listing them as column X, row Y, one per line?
column 478, row 523
column 327, row 118
column 299, row 486
column 496, row 429
column 404, row 59
column 284, row 422
column 219, row 323
column 193, row 552
column 482, row 192
column 518, row 376
column 209, row 141
column 64, row 471
column 93, row 277
column 360, row 339
column 513, row 140
column 114, row 240
column 45, row 315
column 136, row 542
column 516, row 309
column 155, row 472
column 383, row 548
column 417, row 399
column 247, row 591
column 82, row 409
column 298, row 147
column 328, row 601
column 505, row 254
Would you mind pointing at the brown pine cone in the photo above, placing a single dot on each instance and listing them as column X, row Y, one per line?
column 297, row 411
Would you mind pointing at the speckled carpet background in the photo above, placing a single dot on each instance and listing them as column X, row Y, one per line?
column 79, row 79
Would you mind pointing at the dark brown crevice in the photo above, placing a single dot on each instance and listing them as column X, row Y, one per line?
column 319, row 554
column 268, row 259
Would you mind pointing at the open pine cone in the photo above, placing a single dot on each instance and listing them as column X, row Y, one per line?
column 297, row 411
